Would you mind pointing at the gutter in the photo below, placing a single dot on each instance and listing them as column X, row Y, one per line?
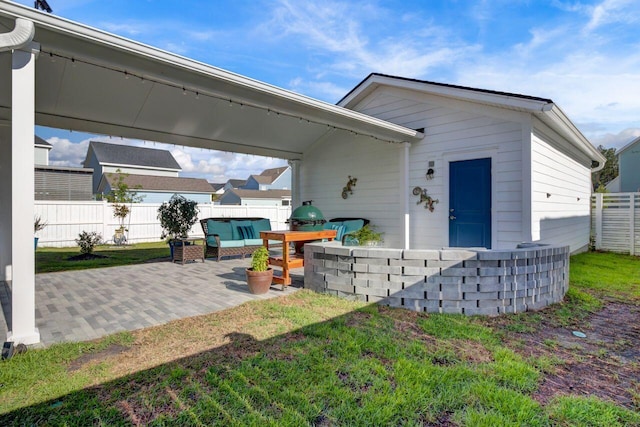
column 22, row 35
column 562, row 123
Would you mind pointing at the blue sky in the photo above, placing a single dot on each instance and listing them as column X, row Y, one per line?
column 585, row 55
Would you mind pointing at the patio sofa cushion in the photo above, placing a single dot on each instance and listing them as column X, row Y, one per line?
column 247, row 232
column 339, row 231
column 221, row 228
column 352, row 225
column 261, row 225
column 235, row 228
column 232, row 243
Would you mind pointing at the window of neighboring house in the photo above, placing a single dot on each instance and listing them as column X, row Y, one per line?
column 286, row 202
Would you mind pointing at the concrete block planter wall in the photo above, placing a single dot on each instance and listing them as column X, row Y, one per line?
column 464, row 281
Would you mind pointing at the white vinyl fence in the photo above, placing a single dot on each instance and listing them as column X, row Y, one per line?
column 66, row 219
column 615, row 222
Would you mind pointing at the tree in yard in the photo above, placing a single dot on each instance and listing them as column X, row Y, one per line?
column 610, row 170
column 122, row 197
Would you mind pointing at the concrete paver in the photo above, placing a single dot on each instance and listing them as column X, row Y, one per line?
column 88, row 304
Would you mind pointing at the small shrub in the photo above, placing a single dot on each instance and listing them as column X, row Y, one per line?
column 260, row 259
column 38, row 223
column 87, row 241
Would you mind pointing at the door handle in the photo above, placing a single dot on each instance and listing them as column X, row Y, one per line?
column 451, row 217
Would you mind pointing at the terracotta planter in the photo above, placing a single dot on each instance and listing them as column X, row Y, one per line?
column 259, row 281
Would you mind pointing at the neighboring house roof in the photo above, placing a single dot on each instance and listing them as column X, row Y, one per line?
column 41, row 142
column 66, row 169
column 159, row 183
column 216, row 186
column 629, row 145
column 116, row 154
column 262, row 194
column 237, row 183
column 542, row 108
column 269, row 175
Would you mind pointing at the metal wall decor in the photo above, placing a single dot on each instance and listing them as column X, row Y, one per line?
column 425, row 198
column 348, row 189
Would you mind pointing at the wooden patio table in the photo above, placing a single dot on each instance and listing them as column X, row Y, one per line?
column 288, row 260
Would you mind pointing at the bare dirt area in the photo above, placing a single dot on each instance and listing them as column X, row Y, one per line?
column 605, row 363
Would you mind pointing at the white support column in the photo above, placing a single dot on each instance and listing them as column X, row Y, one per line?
column 23, row 309
column 295, row 183
column 404, row 193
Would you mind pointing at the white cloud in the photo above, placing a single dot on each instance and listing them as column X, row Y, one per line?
column 214, row 166
column 611, row 11
column 618, row 140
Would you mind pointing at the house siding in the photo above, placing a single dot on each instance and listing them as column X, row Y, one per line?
column 561, row 186
column 629, row 164
column 456, row 130
column 326, row 168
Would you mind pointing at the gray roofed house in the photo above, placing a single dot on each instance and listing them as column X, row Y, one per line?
column 111, row 158
column 42, row 149
column 256, row 197
column 58, row 182
column 235, row 183
column 158, row 189
column 129, row 155
column 270, row 179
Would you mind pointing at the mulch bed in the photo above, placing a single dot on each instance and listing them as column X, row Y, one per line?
column 605, row 364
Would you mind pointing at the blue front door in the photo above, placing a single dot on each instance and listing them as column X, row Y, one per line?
column 470, row 203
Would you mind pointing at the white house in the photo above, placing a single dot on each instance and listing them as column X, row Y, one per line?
column 501, row 168
column 110, row 158
column 386, row 133
column 256, row 197
column 159, row 189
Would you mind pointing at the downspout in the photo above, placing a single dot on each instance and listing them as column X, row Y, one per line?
column 21, row 36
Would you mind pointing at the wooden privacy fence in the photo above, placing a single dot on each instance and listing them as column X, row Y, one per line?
column 615, row 222
column 66, row 219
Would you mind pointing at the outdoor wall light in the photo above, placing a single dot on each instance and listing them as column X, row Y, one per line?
column 430, row 173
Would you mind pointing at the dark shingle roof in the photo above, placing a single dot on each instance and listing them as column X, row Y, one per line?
column 236, row 183
column 40, row 141
column 217, row 186
column 274, row 172
column 136, row 156
column 495, row 92
column 162, row 183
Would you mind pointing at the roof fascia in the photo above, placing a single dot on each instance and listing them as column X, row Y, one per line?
column 374, row 81
column 129, row 165
column 629, row 145
column 561, row 123
column 74, row 29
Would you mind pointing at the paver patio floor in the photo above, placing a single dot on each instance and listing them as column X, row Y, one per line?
column 88, row 304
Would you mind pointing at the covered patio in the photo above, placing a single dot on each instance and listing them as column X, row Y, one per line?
column 61, row 74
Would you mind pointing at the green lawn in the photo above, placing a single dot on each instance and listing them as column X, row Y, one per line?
column 309, row 359
column 57, row 259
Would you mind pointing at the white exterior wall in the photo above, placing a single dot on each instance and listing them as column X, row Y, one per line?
column 561, row 191
column 454, row 131
column 138, row 171
column 325, row 170
column 41, row 156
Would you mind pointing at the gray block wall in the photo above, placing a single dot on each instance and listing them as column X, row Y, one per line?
column 464, row 281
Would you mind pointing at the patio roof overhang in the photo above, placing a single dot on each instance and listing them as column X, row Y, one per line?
column 92, row 81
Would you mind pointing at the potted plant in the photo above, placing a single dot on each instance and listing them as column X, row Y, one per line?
column 366, row 236
column 259, row 276
column 38, row 225
column 177, row 216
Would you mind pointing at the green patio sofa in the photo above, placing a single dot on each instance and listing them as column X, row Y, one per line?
column 345, row 226
column 234, row 236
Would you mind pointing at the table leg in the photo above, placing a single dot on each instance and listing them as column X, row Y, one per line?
column 285, row 265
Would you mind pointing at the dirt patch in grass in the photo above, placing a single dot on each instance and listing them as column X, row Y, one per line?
column 605, row 364
column 97, row 357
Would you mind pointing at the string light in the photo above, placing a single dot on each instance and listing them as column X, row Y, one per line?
column 197, row 94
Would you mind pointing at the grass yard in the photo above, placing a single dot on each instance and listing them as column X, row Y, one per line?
column 309, row 359
column 57, row 259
